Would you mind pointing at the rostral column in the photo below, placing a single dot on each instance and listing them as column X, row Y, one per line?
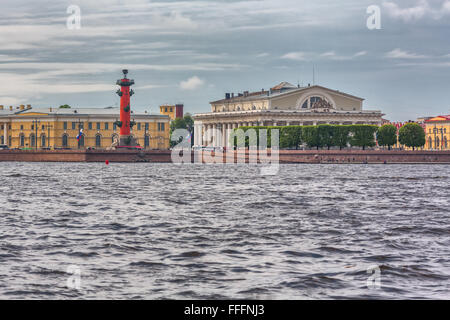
column 125, row 123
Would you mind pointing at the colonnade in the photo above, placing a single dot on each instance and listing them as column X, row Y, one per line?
column 218, row 134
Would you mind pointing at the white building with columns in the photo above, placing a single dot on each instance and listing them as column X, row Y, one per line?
column 282, row 105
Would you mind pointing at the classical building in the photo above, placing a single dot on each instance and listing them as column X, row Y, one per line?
column 437, row 132
column 282, row 105
column 53, row 128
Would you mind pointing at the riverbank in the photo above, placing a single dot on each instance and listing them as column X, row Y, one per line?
column 285, row 156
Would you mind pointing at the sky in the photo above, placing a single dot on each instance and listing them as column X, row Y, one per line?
column 193, row 52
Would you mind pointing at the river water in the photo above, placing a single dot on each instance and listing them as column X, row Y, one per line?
column 161, row 231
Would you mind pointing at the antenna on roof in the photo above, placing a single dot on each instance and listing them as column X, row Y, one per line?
column 314, row 75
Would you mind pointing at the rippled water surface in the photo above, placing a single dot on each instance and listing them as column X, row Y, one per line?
column 161, row 231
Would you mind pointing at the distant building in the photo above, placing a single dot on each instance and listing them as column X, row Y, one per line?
column 437, row 132
column 282, row 105
column 173, row 111
column 26, row 127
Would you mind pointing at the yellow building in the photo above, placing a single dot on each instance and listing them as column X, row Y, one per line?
column 168, row 111
column 437, row 133
column 173, row 112
column 58, row 128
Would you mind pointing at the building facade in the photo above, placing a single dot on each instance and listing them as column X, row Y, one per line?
column 57, row 128
column 173, row 111
column 437, row 132
column 282, row 105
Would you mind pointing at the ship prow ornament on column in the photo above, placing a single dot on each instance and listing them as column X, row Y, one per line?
column 125, row 93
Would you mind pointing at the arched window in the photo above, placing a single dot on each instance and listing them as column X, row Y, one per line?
column 81, row 142
column 314, row 100
column 98, row 141
column 43, row 141
column 32, row 140
column 22, row 140
column 305, row 105
column 147, row 141
column 311, row 100
column 65, row 141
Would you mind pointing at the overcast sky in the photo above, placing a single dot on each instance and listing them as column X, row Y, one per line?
column 195, row 51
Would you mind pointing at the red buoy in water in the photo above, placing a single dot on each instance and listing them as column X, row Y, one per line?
column 107, row 162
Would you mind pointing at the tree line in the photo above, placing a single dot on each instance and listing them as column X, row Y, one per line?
column 327, row 136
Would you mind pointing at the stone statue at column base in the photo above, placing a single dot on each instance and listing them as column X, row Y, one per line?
column 127, row 141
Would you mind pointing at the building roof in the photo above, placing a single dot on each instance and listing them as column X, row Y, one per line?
column 439, row 118
column 73, row 112
column 283, row 88
column 284, row 85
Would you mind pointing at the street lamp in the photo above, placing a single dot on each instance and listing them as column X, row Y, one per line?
column 36, row 122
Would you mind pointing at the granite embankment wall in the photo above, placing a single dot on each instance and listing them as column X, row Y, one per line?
column 285, row 156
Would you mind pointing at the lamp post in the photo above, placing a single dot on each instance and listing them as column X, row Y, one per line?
column 36, row 122
column 80, row 126
column 48, row 126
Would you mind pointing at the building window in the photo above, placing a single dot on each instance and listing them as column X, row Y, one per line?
column 171, row 109
column 165, row 110
column 445, row 142
column 43, row 141
column 430, row 142
column 22, row 140
column 146, row 141
column 74, row 125
column 65, row 125
column 90, row 125
column 146, row 127
column 32, row 140
column 2, row 140
column 139, row 126
column 98, row 125
column 106, row 126
column 98, row 141
column 32, row 127
column 21, row 127
column 10, row 140
column 43, row 127
column 65, row 141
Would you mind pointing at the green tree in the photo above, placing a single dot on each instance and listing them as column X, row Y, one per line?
column 387, row 135
column 326, row 133
column 341, row 136
column 65, row 106
column 290, row 137
column 311, row 137
column 412, row 135
column 363, row 135
column 182, row 123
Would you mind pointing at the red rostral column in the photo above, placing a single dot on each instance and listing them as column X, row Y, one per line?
column 125, row 94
